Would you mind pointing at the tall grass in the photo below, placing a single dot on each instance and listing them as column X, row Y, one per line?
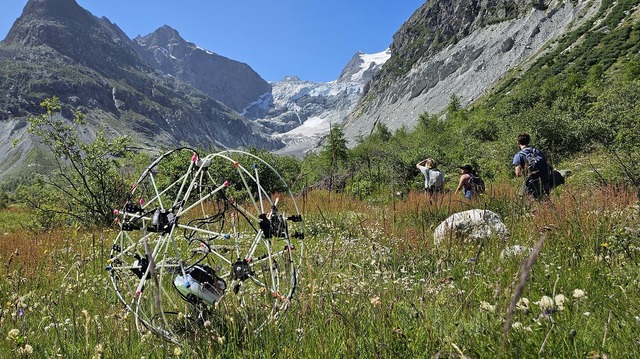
column 373, row 285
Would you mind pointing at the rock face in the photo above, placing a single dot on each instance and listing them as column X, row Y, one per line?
column 475, row 224
column 459, row 48
column 231, row 82
column 56, row 48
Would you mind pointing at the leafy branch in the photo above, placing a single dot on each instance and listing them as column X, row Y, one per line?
column 85, row 186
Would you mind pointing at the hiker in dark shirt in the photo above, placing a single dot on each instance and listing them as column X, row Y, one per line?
column 532, row 164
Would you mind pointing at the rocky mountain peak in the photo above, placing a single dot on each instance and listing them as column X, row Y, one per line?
column 302, row 112
column 34, row 26
column 69, row 30
column 231, row 82
column 162, row 36
column 291, row 78
column 54, row 9
column 362, row 67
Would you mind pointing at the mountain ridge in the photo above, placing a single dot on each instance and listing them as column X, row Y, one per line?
column 92, row 67
column 231, row 82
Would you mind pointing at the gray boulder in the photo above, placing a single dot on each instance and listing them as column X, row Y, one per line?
column 471, row 225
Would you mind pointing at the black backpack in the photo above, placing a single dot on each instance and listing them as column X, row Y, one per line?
column 535, row 164
column 476, row 183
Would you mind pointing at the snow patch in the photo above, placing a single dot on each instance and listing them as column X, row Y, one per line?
column 369, row 61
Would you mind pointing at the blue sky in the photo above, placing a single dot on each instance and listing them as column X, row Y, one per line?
column 313, row 40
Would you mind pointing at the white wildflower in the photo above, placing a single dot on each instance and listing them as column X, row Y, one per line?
column 523, row 304
column 578, row 293
column 375, row 301
column 560, row 299
column 521, row 327
column 13, row 334
column 545, row 303
column 487, row 307
column 28, row 349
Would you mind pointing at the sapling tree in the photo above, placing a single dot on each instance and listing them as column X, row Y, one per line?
column 335, row 153
column 86, row 184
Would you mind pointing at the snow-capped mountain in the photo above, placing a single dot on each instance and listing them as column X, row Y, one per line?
column 363, row 66
column 301, row 112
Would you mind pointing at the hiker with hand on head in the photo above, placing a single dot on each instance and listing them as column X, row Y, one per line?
column 465, row 183
column 433, row 177
column 532, row 164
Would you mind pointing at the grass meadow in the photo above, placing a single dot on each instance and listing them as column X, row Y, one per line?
column 372, row 285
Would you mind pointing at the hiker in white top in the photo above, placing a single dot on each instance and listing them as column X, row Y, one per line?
column 433, row 177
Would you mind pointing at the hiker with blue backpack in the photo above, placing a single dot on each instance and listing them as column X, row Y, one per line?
column 531, row 163
column 433, row 177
